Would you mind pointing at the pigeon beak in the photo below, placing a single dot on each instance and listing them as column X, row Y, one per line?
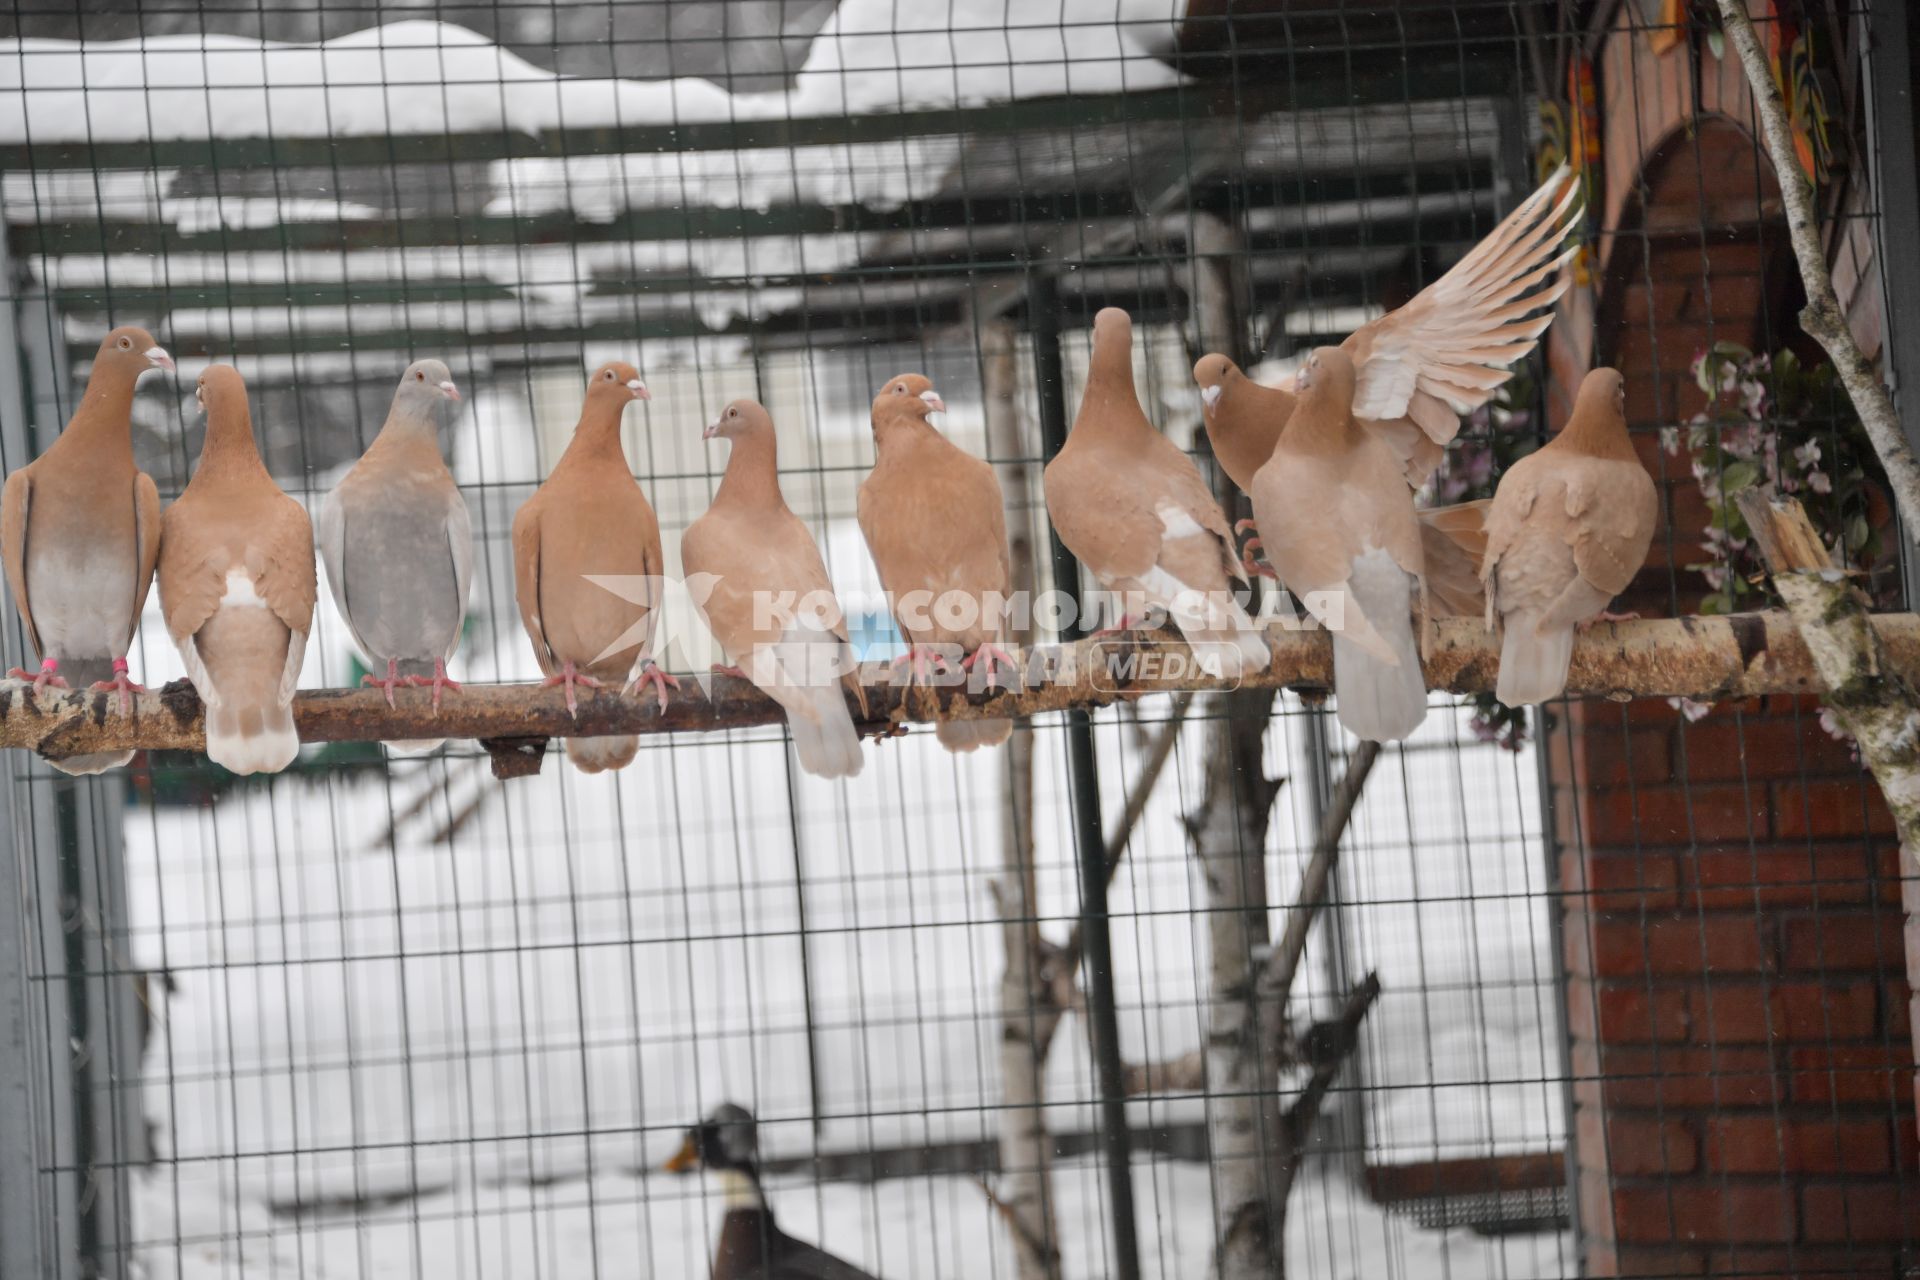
column 711, row 430
column 639, row 389
column 1210, row 398
column 158, row 358
column 450, row 391
column 934, row 403
column 684, row 1159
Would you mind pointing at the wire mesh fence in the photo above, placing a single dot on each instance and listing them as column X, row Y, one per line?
column 1640, row 1005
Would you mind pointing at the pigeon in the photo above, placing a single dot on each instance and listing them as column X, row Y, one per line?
column 1244, row 419
column 1418, row 368
column 1135, row 511
column 1342, row 533
column 80, row 531
column 771, row 606
column 583, row 532
column 936, row 525
column 398, row 546
column 1569, row 528
column 237, row 584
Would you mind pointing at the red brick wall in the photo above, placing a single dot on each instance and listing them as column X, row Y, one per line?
column 1741, row 1029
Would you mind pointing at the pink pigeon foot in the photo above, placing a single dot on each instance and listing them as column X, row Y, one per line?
column 1607, row 616
column 921, row 664
column 437, row 682
column 46, row 678
column 393, row 681
column 1126, row 622
column 993, row 655
column 1253, row 566
column 120, row 685
column 1245, row 526
column 651, row 674
column 720, row 669
column 570, row 679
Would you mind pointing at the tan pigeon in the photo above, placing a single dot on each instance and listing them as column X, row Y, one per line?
column 1570, row 526
column 80, row 530
column 591, row 521
column 772, row 606
column 936, row 525
column 398, row 546
column 1244, row 419
column 1135, row 511
column 237, row 586
column 1341, row 532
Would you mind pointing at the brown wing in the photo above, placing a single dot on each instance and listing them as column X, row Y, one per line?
column 1453, row 542
column 1446, row 351
column 1614, row 508
column 526, row 579
column 146, row 532
column 280, row 555
column 15, row 500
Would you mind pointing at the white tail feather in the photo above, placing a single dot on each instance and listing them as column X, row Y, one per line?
column 593, row 755
column 415, row 746
column 95, row 762
column 970, row 735
column 1533, row 663
column 1379, row 700
column 823, row 734
column 251, row 738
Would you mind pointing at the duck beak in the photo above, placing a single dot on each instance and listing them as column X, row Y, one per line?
column 934, row 403
column 639, row 389
column 158, row 358
column 1210, row 399
column 450, row 391
column 685, row 1159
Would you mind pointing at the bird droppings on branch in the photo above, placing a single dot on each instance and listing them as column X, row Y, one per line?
column 1704, row 658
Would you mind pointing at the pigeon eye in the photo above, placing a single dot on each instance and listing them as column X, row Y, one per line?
column 126, row 344
column 733, row 413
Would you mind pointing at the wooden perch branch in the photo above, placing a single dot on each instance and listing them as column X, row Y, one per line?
column 1822, row 317
column 1741, row 656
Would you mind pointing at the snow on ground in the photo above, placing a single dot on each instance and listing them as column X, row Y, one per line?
column 639, row 1226
column 421, row 77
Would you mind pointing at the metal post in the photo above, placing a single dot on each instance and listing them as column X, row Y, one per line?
column 62, row 930
column 1089, row 840
column 1890, row 157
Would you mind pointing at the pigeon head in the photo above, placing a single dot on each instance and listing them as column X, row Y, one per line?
column 617, row 382
column 131, row 351
column 1211, row 374
column 1326, row 377
column 219, row 388
column 426, row 383
column 728, row 1139
column 1603, row 393
column 909, row 395
column 738, row 421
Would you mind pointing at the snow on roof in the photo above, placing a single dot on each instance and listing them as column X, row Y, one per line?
column 873, row 56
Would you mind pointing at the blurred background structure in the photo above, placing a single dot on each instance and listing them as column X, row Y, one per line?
column 1641, row 1006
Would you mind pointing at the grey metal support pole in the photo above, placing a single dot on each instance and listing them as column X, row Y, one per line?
column 68, row 997
column 1089, row 839
column 1895, row 188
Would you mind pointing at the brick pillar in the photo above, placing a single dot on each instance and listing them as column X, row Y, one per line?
column 1736, row 989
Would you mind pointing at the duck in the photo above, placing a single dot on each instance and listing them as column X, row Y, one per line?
column 752, row 1246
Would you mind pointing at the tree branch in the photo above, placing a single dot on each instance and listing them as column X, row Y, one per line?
column 1275, row 981
column 1867, row 689
column 1343, row 1032
column 1741, row 656
column 1822, row 318
column 1137, row 797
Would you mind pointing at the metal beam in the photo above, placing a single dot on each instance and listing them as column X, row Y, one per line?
column 1337, row 78
column 1071, row 207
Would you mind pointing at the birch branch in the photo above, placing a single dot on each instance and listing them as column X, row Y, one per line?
column 1342, row 1036
column 1866, row 686
column 1822, row 317
column 1704, row 658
